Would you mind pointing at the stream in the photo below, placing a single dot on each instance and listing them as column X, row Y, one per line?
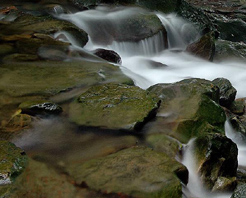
column 139, row 60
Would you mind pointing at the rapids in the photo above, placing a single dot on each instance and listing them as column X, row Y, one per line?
column 148, row 63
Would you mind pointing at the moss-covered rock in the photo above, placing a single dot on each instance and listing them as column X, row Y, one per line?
column 204, row 47
column 114, row 106
column 25, row 81
column 238, row 106
column 227, row 91
column 137, row 172
column 13, row 162
column 188, row 109
column 216, row 156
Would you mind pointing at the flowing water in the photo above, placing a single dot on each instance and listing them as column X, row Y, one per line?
column 148, row 63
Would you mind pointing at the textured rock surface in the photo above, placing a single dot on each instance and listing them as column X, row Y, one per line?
column 216, row 157
column 188, row 109
column 137, row 171
column 114, row 106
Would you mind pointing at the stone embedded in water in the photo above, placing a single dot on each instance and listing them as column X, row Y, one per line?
column 40, row 107
column 136, row 172
column 188, row 109
column 204, row 47
column 227, row 91
column 216, row 157
column 13, row 161
column 224, row 184
column 114, row 106
column 108, row 55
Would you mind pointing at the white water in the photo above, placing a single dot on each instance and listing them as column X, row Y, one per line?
column 147, row 63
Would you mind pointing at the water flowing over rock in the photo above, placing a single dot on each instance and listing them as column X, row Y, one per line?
column 188, row 108
column 136, row 172
column 216, row 157
column 114, row 106
column 105, row 26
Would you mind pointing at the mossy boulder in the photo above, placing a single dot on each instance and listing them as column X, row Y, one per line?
column 227, row 91
column 40, row 107
column 188, row 108
column 135, row 172
column 114, row 106
column 216, row 156
column 25, row 81
column 227, row 49
column 13, row 162
column 204, row 47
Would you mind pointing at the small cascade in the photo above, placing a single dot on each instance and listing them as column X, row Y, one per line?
column 180, row 32
column 194, row 188
column 237, row 138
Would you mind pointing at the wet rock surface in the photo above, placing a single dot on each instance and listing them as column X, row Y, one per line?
column 100, row 106
column 108, row 55
column 216, row 157
column 181, row 121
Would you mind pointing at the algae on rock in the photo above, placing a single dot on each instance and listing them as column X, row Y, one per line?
column 114, row 106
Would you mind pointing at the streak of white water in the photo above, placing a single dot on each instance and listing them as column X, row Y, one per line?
column 148, row 64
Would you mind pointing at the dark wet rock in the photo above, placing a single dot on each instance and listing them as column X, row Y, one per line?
column 224, row 184
column 59, row 77
column 240, row 191
column 6, row 49
column 228, row 49
column 40, row 107
column 108, row 55
column 13, row 162
column 156, row 65
column 188, row 109
column 238, row 106
column 204, row 47
column 227, row 91
column 216, row 157
column 136, row 172
column 114, row 106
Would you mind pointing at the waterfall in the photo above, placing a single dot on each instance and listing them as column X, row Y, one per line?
column 148, row 63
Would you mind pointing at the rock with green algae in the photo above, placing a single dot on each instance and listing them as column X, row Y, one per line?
column 13, row 162
column 216, row 157
column 25, row 81
column 136, row 172
column 188, row 108
column 114, row 106
column 40, row 107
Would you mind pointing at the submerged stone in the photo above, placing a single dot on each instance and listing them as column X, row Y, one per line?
column 188, row 109
column 135, row 172
column 40, row 107
column 114, row 106
column 216, row 157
